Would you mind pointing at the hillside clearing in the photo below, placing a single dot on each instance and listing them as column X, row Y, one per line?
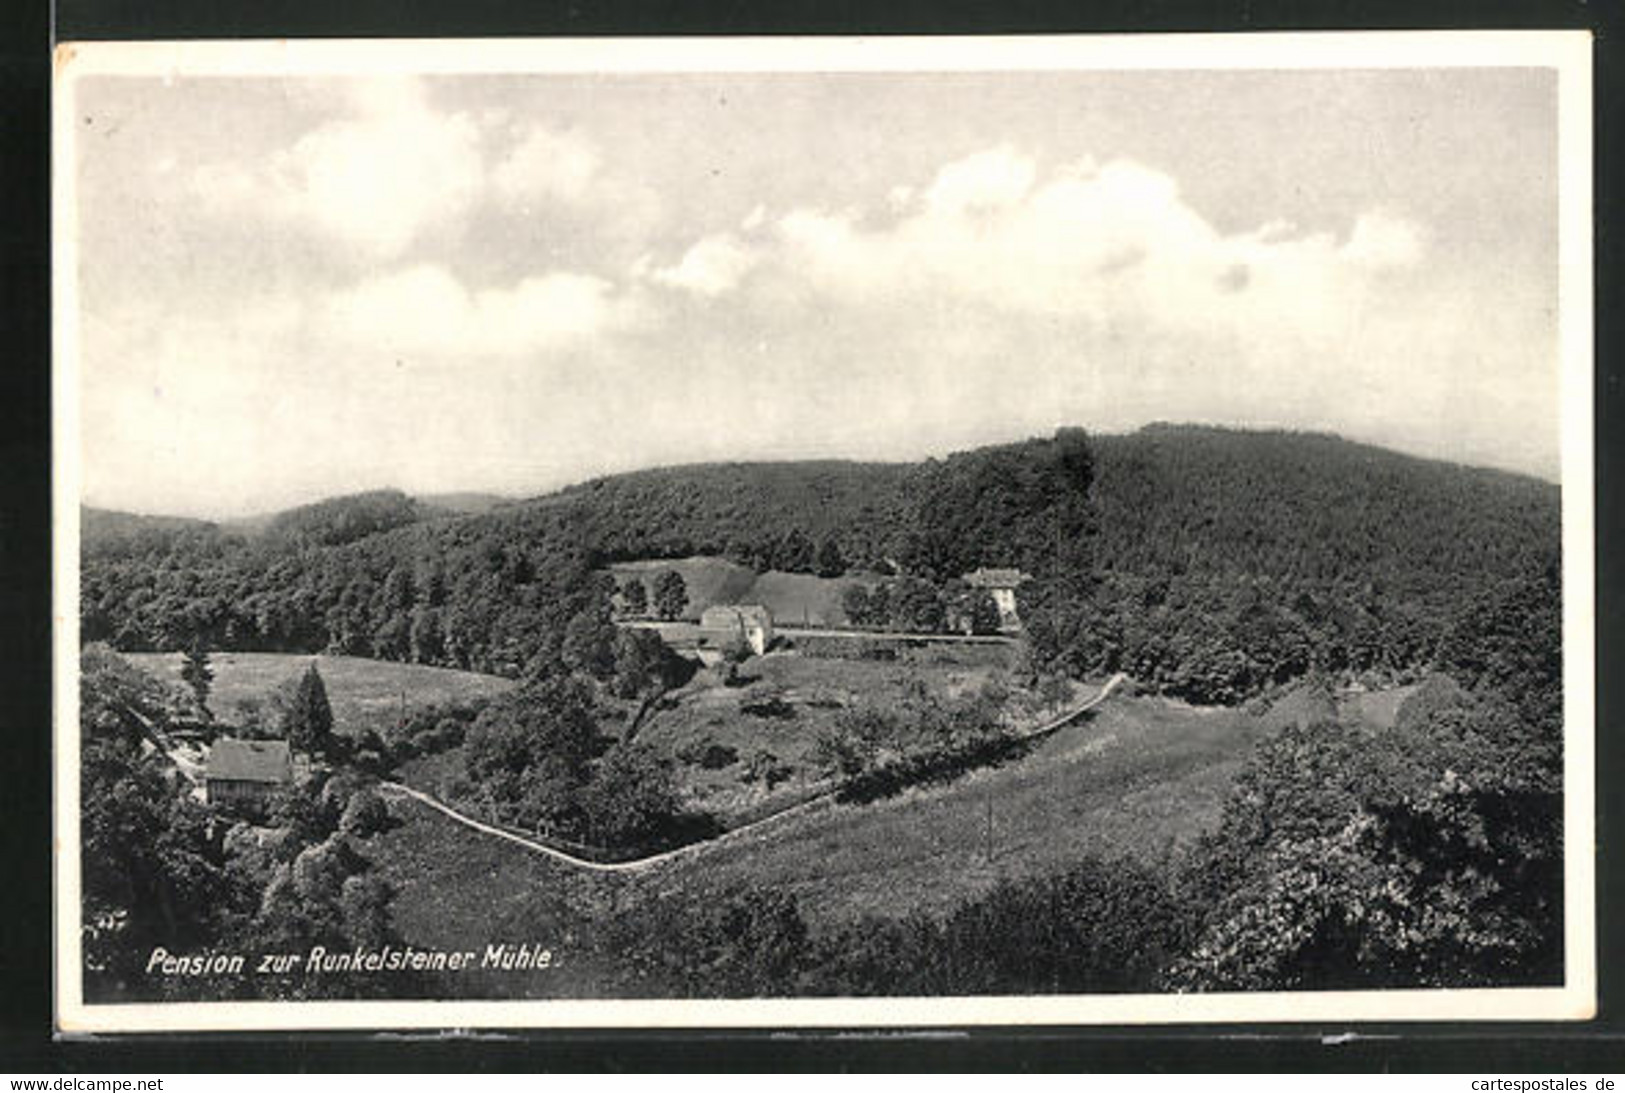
column 776, row 716
column 458, row 889
column 1377, row 709
column 1137, row 777
column 794, row 598
column 365, row 694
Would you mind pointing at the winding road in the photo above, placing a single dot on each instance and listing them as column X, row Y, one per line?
column 635, row 865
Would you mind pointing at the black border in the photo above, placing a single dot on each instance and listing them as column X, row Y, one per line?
column 26, row 1041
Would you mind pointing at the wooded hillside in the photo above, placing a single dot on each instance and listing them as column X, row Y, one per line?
column 1205, row 561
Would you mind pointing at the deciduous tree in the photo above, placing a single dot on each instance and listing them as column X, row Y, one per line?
column 635, row 597
column 671, row 595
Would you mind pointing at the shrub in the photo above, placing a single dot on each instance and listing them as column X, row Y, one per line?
column 365, row 815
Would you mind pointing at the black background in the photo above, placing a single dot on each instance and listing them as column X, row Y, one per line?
column 27, row 1045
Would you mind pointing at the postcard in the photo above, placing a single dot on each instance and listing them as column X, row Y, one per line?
column 823, row 532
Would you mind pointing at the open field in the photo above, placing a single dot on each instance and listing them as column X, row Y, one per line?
column 785, row 702
column 456, row 889
column 794, row 598
column 365, row 694
column 1376, row 709
column 801, row 599
column 1302, row 706
column 774, row 716
column 1137, row 777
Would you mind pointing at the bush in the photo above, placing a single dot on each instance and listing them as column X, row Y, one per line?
column 773, row 706
column 365, row 815
column 707, row 754
column 717, row 756
column 766, row 767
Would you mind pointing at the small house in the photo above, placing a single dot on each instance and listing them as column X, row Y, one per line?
column 1001, row 584
column 246, row 771
column 751, row 623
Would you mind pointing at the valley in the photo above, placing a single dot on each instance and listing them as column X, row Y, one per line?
column 1077, row 706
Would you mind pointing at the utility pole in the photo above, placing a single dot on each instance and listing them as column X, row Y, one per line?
column 990, row 824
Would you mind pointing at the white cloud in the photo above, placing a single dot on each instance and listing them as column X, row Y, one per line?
column 1379, row 240
column 1111, row 244
column 710, row 267
column 375, row 180
column 998, row 296
column 985, row 181
column 546, row 164
column 395, row 170
column 425, row 310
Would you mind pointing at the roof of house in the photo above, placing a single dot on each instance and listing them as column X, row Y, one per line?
column 996, row 578
column 733, row 614
column 250, row 761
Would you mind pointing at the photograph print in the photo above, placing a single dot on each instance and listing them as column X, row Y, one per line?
column 814, row 532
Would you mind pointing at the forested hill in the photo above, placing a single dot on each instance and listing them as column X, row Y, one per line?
column 1256, row 555
column 1175, row 499
column 330, row 522
column 1165, row 501
column 1225, row 561
column 98, row 526
column 747, row 510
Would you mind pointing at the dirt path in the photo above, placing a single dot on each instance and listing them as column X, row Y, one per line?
column 1073, row 714
column 640, row 864
column 635, row 865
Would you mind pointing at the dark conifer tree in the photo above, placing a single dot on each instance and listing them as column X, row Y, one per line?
column 308, row 724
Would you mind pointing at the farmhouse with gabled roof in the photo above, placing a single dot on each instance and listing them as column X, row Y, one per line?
column 1002, row 585
column 246, row 771
column 750, row 622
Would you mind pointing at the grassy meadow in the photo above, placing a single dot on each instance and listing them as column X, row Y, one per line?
column 1375, row 709
column 795, row 599
column 457, row 889
column 783, row 703
column 365, row 694
column 1136, row 778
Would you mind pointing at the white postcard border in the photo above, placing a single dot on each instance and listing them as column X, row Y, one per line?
column 1568, row 52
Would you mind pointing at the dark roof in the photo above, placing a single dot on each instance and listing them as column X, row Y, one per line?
column 250, row 761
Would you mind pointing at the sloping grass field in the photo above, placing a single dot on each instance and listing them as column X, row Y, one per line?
column 796, row 599
column 709, row 580
column 456, row 889
column 784, row 703
column 365, row 694
column 801, row 599
column 1138, row 777
column 1375, row 709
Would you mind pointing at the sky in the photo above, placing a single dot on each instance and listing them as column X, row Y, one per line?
column 291, row 288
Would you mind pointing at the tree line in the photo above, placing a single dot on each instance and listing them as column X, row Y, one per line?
column 1207, row 563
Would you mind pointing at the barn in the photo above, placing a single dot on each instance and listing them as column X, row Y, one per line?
column 246, row 771
column 725, row 621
